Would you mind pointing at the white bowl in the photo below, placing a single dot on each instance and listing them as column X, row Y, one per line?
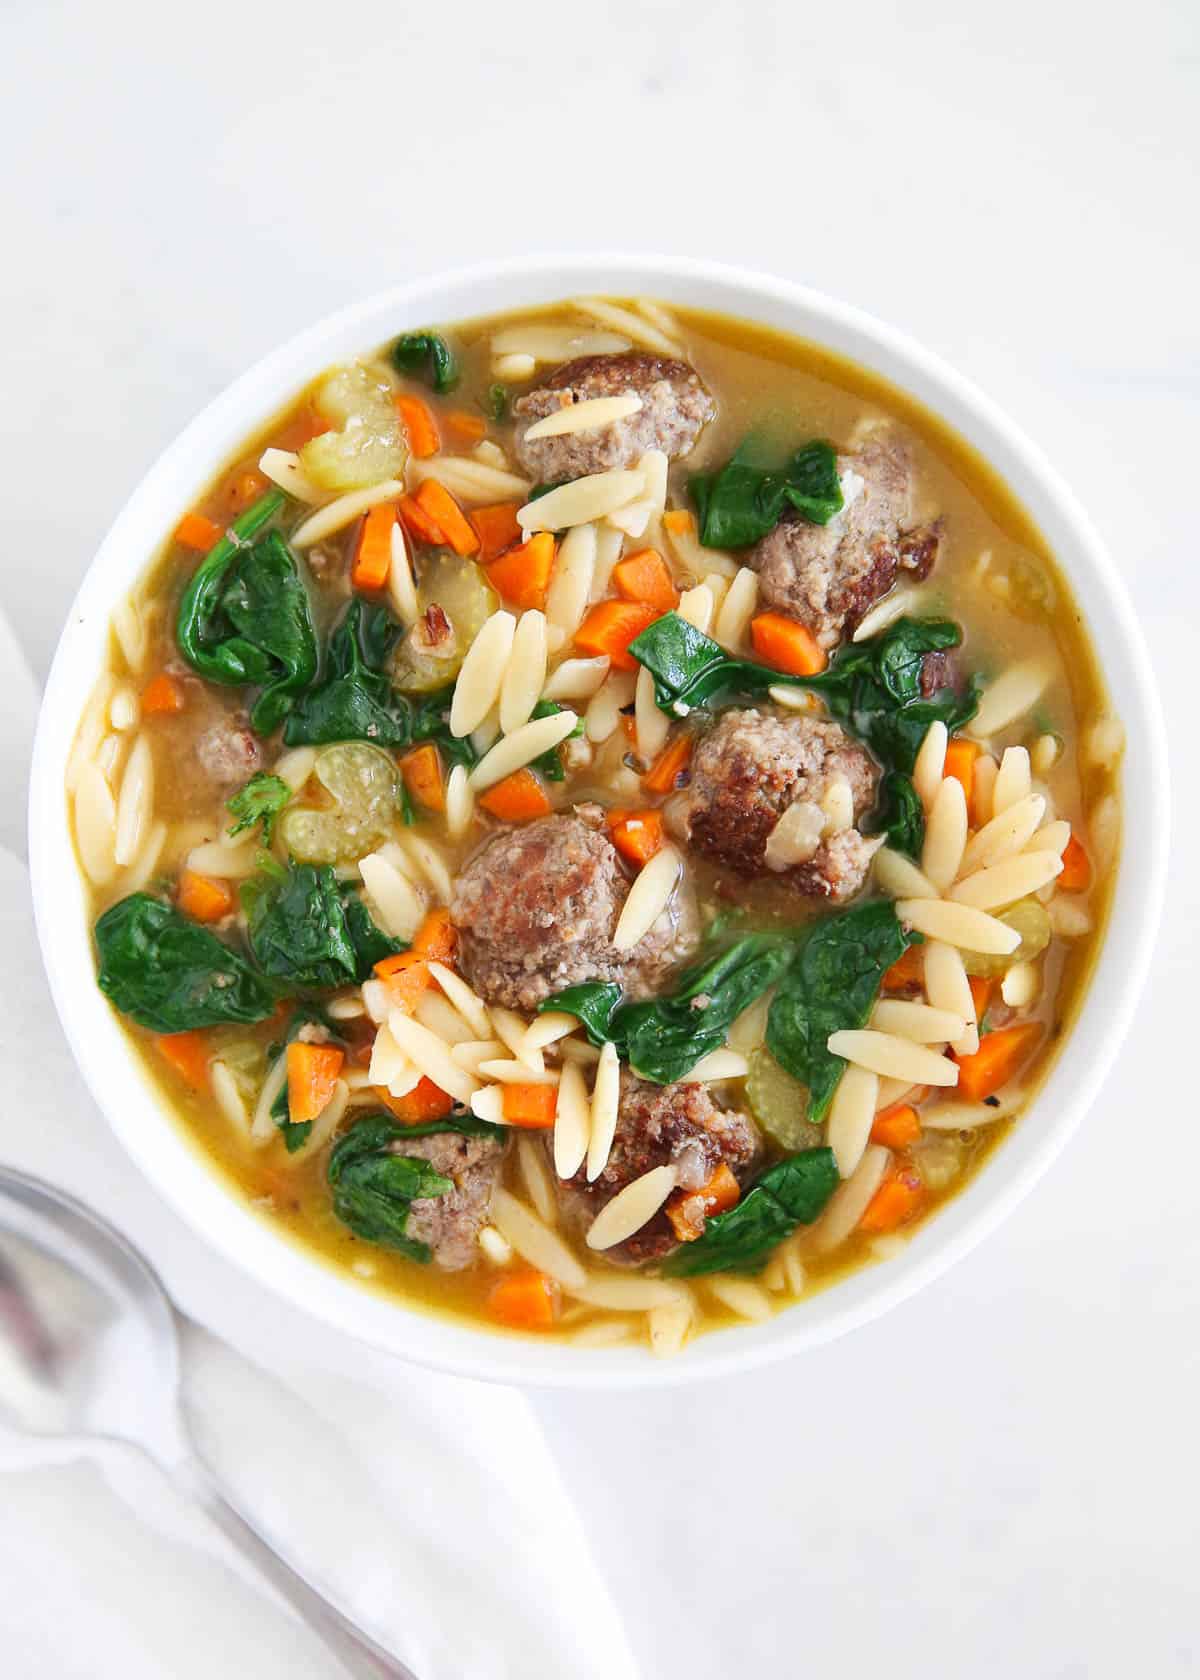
column 159, row 1145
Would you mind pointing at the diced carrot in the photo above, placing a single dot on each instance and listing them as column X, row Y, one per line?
column 787, row 644
column 981, row 994
column 664, row 774
column 679, row 520
column 497, row 529
column 406, row 976
column 422, row 772
column 312, row 1073
column 195, row 531
column 420, row 426
column 906, row 972
column 1077, row 868
column 246, row 488
column 644, row 576
column 525, row 1300
column 441, row 507
column 960, row 763
column 896, row 1127
column 688, row 1209
column 373, row 551
column 436, row 939
column 205, row 898
column 521, row 576
column 518, row 798
column 637, row 835
column 609, row 628
column 999, row 1057
column 418, row 523
column 188, row 1054
column 426, row 1101
column 896, row 1200
column 721, row 1190
column 466, row 427
column 162, row 694
column 530, row 1106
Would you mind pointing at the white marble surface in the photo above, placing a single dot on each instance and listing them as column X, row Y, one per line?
column 999, row 1478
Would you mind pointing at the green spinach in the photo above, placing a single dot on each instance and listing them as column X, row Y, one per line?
column 497, row 402
column 664, row 1038
column 831, row 984
column 297, row 929
column 305, row 928
column 549, row 764
column 899, row 813
column 791, row 1193
column 355, row 700
column 374, row 1187
column 872, row 687
column 170, row 974
column 371, row 944
column 426, row 355
column 260, row 801
column 245, row 617
column 744, row 501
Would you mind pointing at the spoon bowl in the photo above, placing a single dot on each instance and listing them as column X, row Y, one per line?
column 88, row 1344
column 89, row 1353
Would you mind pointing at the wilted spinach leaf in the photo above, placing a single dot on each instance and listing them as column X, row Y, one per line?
column 831, row 985
column 550, row 764
column 899, row 813
column 664, row 1038
column 245, row 617
column 374, row 1187
column 260, row 801
column 371, row 944
column 593, row 1001
column 873, row 687
column 744, row 501
column 791, row 1193
column 354, row 700
column 426, row 355
column 297, row 929
column 171, row 975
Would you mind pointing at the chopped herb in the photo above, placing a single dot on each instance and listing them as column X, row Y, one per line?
column 260, row 801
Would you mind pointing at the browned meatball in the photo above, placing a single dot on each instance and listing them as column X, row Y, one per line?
column 827, row 576
column 751, row 768
column 450, row 1224
column 536, row 909
column 659, row 1125
column 229, row 752
column 674, row 407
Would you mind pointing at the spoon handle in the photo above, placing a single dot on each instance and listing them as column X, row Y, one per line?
column 355, row 1651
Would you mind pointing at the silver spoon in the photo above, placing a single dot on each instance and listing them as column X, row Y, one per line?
column 89, row 1353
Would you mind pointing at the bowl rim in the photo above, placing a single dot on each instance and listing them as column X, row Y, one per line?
column 174, row 1164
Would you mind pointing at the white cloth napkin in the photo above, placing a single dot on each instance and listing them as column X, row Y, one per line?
column 429, row 1507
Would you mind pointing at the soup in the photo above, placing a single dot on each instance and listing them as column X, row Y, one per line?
column 598, row 820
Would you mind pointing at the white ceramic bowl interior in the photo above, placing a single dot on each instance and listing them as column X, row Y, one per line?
column 173, row 1164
